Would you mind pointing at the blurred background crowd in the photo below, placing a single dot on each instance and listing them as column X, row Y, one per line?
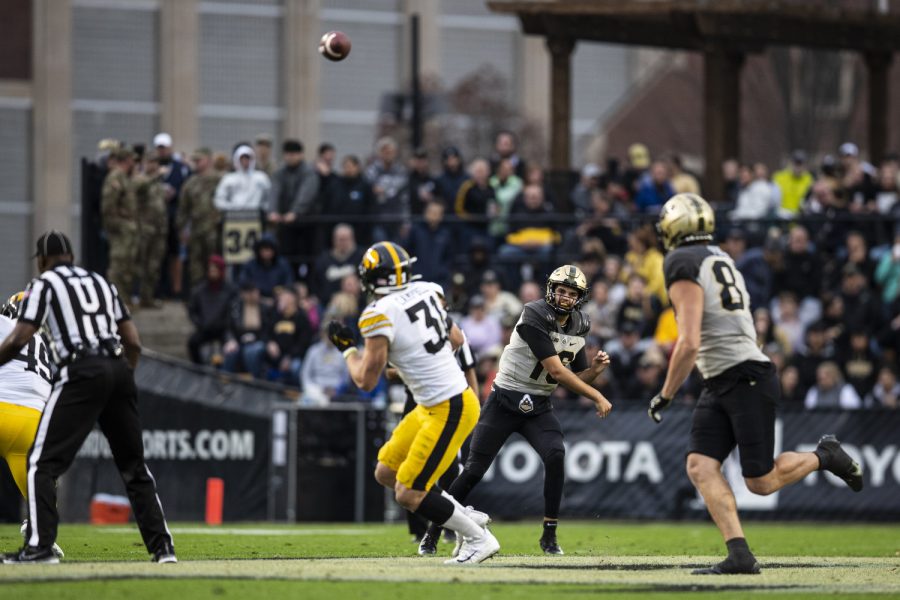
column 262, row 245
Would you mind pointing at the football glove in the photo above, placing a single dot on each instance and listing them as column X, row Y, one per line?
column 657, row 404
column 341, row 336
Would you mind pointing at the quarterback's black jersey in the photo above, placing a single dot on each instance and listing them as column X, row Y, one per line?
column 537, row 336
column 727, row 335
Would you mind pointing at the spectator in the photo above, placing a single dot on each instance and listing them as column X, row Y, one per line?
column 887, row 273
column 604, row 222
column 472, row 201
column 324, row 371
column 209, row 308
column 198, row 220
column 118, row 209
column 860, row 364
column 262, row 145
column 353, row 199
column 288, row 339
column 792, row 393
column 432, row 242
column 267, row 269
column 245, row 345
column 638, row 163
column 295, row 189
column 505, row 148
column 174, row 174
column 731, row 179
column 815, row 351
column 341, row 260
column 768, row 334
column 328, row 190
column 650, row 373
column 452, row 176
column 758, row 266
column 245, row 189
column 389, row 179
column 534, row 175
column 529, row 291
column 801, row 272
column 153, row 224
column 756, row 199
column 683, row 182
column 477, row 262
column 506, row 185
column 831, row 391
column 786, row 315
column 886, row 392
column 857, row 254
column 602, row 313
column 644, row 259
column 529, row 245
column 858, row 178
column 862, row 309
column 624, row 352
column 794, row 182
column 483, row 330
column 588, row 184
column 503, row 305
column 422, row 186
column 654, row 189
column 640, row 307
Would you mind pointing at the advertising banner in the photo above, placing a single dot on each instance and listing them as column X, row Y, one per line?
column 628, row 467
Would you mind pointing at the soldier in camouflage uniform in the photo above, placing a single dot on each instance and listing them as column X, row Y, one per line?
column 153, row 227
column 119, row 211
column 198, row 216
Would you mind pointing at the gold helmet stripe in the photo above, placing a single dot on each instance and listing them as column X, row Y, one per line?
column 396, row 256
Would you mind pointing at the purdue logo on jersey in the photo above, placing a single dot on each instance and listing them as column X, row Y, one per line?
column 526, row 404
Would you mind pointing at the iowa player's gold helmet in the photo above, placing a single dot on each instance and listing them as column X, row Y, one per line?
column 386, row 267
column 685, row 218
column 13, row 306
column 571, row 276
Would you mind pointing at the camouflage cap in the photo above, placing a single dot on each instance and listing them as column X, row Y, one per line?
column 151, row 156
column 123, row 153
column 202, row 151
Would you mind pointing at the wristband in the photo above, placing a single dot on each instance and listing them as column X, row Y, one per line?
column 349, row 351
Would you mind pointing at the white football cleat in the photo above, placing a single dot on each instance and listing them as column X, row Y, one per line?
column 476, row 550
column 481, row 519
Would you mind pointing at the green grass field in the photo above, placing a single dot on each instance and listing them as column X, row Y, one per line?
column 378, row 561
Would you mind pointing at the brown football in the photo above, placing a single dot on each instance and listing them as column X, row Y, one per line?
column 334, row 45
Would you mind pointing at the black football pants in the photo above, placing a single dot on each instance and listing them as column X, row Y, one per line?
column 91, row 390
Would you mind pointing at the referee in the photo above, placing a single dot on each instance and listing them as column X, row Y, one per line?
column 88, row 324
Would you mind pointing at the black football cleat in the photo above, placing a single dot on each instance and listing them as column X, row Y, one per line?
column 31, row 555
column 164, row 554
column 550, row 546
column 834, row 459
column 731, row 566
column 428, row 545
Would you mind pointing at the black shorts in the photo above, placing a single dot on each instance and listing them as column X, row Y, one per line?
column 737, row 408
column 497, row 423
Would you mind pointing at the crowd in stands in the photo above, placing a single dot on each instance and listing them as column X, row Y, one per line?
column 818, row 247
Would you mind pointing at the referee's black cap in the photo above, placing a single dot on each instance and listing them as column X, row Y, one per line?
column 53, row 243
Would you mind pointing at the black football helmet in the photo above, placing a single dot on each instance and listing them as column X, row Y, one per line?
column 13, row 306
column 386, row 267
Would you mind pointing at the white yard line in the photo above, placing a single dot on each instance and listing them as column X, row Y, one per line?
column 252, row 531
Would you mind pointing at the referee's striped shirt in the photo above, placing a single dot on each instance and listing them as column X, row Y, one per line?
column 80, row 308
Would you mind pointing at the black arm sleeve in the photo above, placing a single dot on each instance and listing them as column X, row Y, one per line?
column 580, row 362
column 538, row 341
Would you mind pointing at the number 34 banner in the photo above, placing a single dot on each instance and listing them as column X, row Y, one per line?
column 240, row 232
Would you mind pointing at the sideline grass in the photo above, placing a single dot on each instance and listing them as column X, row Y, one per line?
column 617, row 559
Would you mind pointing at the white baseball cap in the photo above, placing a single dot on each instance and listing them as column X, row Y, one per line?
column 848, row 149
column 162, row 139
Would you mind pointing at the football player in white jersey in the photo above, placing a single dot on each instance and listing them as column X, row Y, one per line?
column 741, row 390
column 24, row 389
column 406, row 324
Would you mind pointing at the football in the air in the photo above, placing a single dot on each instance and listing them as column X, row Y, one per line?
column 334, row 45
